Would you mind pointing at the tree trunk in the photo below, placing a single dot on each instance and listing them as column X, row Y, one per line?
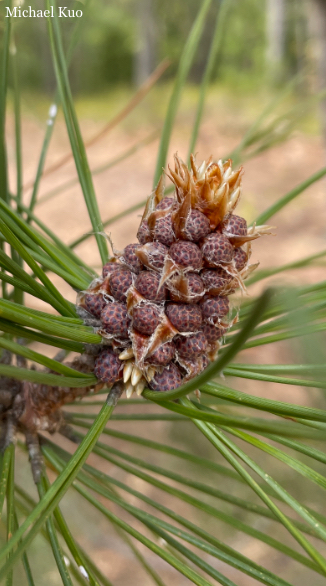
column 275, row 32
column 145, row 56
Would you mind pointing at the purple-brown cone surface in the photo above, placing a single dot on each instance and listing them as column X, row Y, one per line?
column 163, row 355
column 170, row 378
column 163, row 303
column 187, row 254
column 216, row 280
column 153, row 255
column 185, row 318
column 217, row 249
column 144, row 233
column 130, row 259
column 165, row 204
column 110, row 267
column 197, row 226
column 108, row 367
column 145, row 319
column 240, row 259
column 214, row 308
column 212, row 333
column 188, row 288
column 115, row 320
column 189, row 347
column 120, row 282
column 94, row 303
column 236, row 226
column 163, row 231
column 147, row 284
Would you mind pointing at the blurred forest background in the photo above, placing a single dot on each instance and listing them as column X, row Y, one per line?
column 122, row 42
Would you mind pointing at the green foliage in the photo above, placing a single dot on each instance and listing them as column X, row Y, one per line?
column 106, row 56
column 185, row 498
column 243, row 53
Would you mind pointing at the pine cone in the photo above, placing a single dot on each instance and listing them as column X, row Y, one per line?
column 163, row 304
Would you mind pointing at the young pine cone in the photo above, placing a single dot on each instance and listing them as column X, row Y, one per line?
column 162, row 304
